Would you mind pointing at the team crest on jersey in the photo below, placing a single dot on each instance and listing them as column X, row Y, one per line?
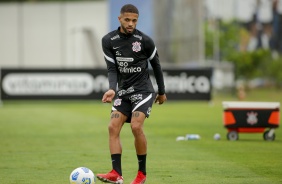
column 136, row 46
column 117, row 102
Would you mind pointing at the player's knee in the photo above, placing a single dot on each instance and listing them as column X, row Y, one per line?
column 136, row 128
column 113, row 128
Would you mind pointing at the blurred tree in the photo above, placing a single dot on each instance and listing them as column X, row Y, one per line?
column 228, row 39
column 248, row 65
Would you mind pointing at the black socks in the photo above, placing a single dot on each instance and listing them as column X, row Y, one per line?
column 116, row 163
column 142, row 163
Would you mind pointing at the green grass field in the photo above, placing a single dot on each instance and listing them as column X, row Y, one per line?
column 42, row 142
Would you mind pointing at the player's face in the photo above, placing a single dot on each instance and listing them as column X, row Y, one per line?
column 128, row 22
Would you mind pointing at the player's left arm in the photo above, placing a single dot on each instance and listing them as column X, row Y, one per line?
column 155, row 63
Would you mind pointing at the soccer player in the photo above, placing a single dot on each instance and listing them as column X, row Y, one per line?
column 127, row 52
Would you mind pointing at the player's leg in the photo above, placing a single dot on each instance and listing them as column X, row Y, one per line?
column 114, row 128
column 115, row 125
column 140, row 141
column 118, row 118
column 139, row 114
column 137, row 122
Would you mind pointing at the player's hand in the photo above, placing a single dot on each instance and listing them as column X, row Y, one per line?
column 108, row 96
column 160, row 99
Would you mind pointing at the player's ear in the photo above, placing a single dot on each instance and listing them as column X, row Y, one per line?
column 119, row 18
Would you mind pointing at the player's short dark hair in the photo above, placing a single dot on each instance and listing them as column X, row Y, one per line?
column 129, row 8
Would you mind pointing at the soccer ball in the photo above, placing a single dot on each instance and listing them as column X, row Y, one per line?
column 82, row 175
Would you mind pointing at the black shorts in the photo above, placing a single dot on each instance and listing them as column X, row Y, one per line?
column 134, row 102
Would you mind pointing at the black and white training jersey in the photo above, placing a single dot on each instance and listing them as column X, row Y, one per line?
column 127, row 59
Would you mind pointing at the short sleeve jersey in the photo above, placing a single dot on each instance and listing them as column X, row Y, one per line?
column 127, row 59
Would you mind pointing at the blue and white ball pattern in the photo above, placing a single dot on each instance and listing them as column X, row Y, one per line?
column 82, row 175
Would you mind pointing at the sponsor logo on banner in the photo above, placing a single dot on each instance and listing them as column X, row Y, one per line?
column 183, row 83
column 180, row 84
column 53, row 84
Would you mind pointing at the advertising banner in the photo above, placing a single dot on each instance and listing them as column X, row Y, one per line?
column 77, row 84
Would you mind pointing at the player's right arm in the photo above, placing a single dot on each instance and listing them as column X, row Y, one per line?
column 111, row 67
column 108, row 96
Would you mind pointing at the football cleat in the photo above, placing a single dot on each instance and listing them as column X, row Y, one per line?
column 140, row 178
column 111, row 177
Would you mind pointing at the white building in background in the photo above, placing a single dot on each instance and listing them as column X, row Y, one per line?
column 52, row 34
column 242, row 10
column 220, row 9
